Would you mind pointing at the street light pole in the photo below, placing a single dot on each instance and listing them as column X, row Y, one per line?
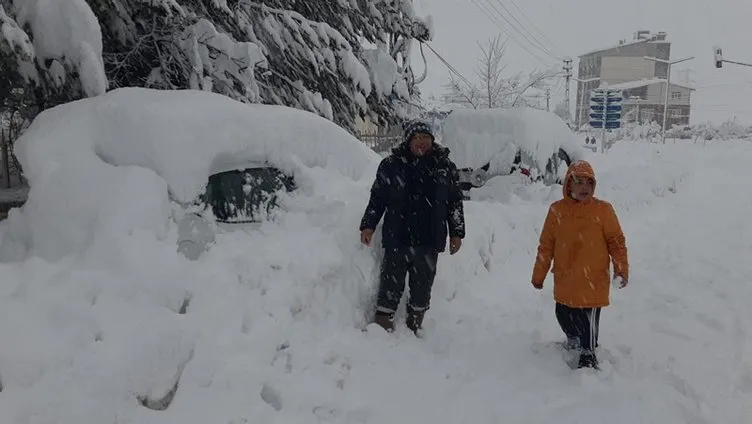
column 668, row 87
column 582, row 97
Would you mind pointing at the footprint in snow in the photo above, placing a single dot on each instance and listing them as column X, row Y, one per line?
column 271, row 396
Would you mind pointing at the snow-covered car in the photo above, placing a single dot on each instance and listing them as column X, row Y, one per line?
column 135, row 159
column 237, row 195
column 485, row 143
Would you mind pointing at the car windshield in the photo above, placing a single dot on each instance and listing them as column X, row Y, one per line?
column 246, row 195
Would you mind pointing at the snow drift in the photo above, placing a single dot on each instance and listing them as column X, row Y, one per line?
column 115, row 162
column 266, row 327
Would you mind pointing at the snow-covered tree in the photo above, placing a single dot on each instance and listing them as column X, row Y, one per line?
column 492, row 88
column 307, row 55
column 51, row 49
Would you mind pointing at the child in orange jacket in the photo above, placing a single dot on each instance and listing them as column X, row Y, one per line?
column 581, row 235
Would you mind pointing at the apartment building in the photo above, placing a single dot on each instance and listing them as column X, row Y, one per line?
column 623, row 66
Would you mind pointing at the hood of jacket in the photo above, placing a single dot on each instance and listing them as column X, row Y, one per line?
column 581, row 169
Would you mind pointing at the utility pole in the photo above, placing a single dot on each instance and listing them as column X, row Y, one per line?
column 548, row 100
column 568, row 76
column 669, row 63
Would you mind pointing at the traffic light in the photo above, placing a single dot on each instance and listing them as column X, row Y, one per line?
column 718, row 57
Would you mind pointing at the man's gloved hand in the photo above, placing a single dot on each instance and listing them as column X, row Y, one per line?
column 454, row 245
column 538, row 285
column 366, row 235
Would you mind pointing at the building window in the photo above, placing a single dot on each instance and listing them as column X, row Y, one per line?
column 676, row 95
column 675, row 113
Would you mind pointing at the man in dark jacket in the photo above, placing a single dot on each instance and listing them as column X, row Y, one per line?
column 416, row 190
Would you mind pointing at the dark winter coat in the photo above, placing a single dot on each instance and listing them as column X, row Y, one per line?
column 419, row 198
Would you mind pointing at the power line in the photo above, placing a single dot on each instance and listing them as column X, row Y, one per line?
column 514, row 3
column 449, row 66
column 495, row 20
column 537, row 43
column 509, row 25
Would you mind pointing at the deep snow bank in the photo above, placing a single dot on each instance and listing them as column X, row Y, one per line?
column 479, row 136
column 266, row 327
column 106, row 164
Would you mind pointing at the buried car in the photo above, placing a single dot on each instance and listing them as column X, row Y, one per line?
column 137, row 161
column 237, row 195
column 485, row 143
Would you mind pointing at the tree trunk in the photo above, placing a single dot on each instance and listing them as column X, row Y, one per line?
column 6, row 158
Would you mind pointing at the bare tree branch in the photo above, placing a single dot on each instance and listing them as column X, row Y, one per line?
column 493, row 89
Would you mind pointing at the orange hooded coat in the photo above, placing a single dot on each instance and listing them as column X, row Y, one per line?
column 582, row 238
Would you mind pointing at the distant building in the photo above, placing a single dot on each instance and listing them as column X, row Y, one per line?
column 643, row 102
column 624, row 66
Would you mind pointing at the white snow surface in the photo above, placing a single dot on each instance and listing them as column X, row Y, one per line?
column 266, row 328
column 479, row 136
column 66, row 30
column 112, row 171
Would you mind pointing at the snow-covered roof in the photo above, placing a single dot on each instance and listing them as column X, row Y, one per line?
column 645, row 82
column 480, row 136
column 616, row 46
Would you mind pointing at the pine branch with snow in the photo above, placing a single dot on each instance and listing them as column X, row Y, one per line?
column 53, row 47
column 306, row 55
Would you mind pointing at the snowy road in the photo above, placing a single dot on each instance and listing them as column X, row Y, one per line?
column 266, row 329
column 675, row 343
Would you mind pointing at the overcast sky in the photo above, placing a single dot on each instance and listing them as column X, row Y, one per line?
column 576, row 27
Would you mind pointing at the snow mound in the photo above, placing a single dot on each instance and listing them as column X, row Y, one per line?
column 477, row 137
column 132, row 151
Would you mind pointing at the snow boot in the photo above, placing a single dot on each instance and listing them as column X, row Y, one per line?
column 415, row 319
column 588, row 360
column 385, row 320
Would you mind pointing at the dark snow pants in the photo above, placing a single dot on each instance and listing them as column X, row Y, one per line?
column 420, row 264
column 580, row 324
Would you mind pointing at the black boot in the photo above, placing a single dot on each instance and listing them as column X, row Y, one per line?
column 414, row 319
column 588, row 360
column 385, row 320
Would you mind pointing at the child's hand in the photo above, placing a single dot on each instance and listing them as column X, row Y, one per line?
column 619, row 282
